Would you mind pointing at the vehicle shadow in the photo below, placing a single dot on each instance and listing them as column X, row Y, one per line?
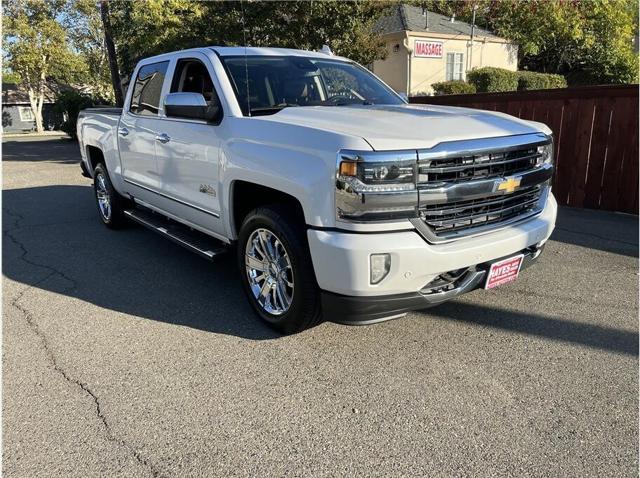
column 601, row 230
column 132, row 271
column 558, row 329
column 55, row 230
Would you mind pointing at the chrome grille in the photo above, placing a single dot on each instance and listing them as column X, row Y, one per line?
column 477, row 166
column 461, row 215
column 473, row 186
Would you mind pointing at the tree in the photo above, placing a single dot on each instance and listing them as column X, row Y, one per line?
column 111, row 52
column 166, row 25
column 589, row 41
column 160, row 26
column 9, row 76
column 608, row 55
column 36, row 48
column 84, row 26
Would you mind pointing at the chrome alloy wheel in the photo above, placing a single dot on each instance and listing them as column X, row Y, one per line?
column 104, row 198
column 269, row 271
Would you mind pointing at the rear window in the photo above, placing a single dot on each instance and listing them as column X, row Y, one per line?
column 145, row 99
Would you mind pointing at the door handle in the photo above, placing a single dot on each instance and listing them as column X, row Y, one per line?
column 163, row 138
column 123, row 131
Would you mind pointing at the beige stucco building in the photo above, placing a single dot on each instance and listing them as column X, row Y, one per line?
column 424, row 48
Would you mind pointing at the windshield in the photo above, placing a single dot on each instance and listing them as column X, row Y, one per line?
column 279, row 82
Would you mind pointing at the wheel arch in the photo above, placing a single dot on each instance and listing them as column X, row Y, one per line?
column 94, row 157
column 245, row 196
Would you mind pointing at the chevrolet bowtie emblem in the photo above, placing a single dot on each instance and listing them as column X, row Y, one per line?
column 509, row 185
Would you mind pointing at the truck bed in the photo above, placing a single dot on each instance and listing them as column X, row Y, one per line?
column 97, row 127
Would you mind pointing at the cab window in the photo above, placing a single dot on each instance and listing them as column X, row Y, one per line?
column 191, row 76
column 145, row 99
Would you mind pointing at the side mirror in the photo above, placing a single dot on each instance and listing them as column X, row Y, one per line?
column 190, row 106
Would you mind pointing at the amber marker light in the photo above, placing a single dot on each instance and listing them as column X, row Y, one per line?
column 348, row 168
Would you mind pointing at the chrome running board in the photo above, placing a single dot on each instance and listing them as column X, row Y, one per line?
column 195, row 241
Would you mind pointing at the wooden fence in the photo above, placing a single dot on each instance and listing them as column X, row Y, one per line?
column 596, row 138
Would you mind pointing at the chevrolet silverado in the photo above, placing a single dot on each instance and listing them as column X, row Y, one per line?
column 340, row 199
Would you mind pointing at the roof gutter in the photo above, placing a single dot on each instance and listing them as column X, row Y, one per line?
column 461, row 36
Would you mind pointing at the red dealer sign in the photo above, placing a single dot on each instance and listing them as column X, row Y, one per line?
column 427, row 49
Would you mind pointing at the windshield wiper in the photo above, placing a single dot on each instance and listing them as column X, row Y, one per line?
column 351, row 103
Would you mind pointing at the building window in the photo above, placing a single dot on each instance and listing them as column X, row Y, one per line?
column 26, row 113
column 455, row 66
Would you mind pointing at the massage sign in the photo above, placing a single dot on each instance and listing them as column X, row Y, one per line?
column 427, row 49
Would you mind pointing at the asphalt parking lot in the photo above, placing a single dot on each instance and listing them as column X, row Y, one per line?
column 126, row 355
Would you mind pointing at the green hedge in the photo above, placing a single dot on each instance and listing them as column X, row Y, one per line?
column 453, row 87
column 530, row 80
column 489, row 79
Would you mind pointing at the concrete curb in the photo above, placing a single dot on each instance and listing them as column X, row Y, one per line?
column 44, row 134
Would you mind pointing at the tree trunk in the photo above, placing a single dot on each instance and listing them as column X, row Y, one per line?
column 36, row 102
column 111, row 52
column 39, row 118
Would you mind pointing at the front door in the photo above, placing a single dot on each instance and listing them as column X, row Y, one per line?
column 188, row 158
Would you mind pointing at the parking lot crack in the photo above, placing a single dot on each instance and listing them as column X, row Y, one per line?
column 23, row 257
column 31, row 322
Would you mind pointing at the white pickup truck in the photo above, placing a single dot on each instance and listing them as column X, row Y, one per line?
column 341, row 200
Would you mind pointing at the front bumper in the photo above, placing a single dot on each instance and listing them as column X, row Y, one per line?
column 368, row 310
column 341, row 263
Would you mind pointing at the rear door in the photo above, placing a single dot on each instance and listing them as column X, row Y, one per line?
column 137, row 131
column 188, row 158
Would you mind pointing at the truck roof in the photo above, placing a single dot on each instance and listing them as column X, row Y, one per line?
column 262, row 51
column 249, row 51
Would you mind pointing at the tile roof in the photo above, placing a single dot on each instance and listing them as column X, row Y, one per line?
column 410, row 18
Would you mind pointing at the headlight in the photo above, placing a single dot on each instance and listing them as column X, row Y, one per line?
column 378, row 176
column 546, row 154
column 376, row 185
column 546, row 158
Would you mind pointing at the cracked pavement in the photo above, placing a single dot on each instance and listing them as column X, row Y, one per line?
column 125, row 355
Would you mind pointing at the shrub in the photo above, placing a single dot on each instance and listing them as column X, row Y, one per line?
column 583, row 78
column 556, row 81
column 453, row 87
column 489, row 79
column 69, row 104
column 530, row 80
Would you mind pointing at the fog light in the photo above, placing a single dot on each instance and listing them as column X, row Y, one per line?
column 380, row 264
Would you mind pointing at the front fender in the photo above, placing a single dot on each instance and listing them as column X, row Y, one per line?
column 295, row 160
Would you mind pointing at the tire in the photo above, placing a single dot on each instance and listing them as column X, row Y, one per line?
column 286, row 263
column 111, row 205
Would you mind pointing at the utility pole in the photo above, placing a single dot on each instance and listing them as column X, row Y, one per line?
column 111, row 52
column 473, row 31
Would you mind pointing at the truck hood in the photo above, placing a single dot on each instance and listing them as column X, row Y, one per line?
column 387, row 127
